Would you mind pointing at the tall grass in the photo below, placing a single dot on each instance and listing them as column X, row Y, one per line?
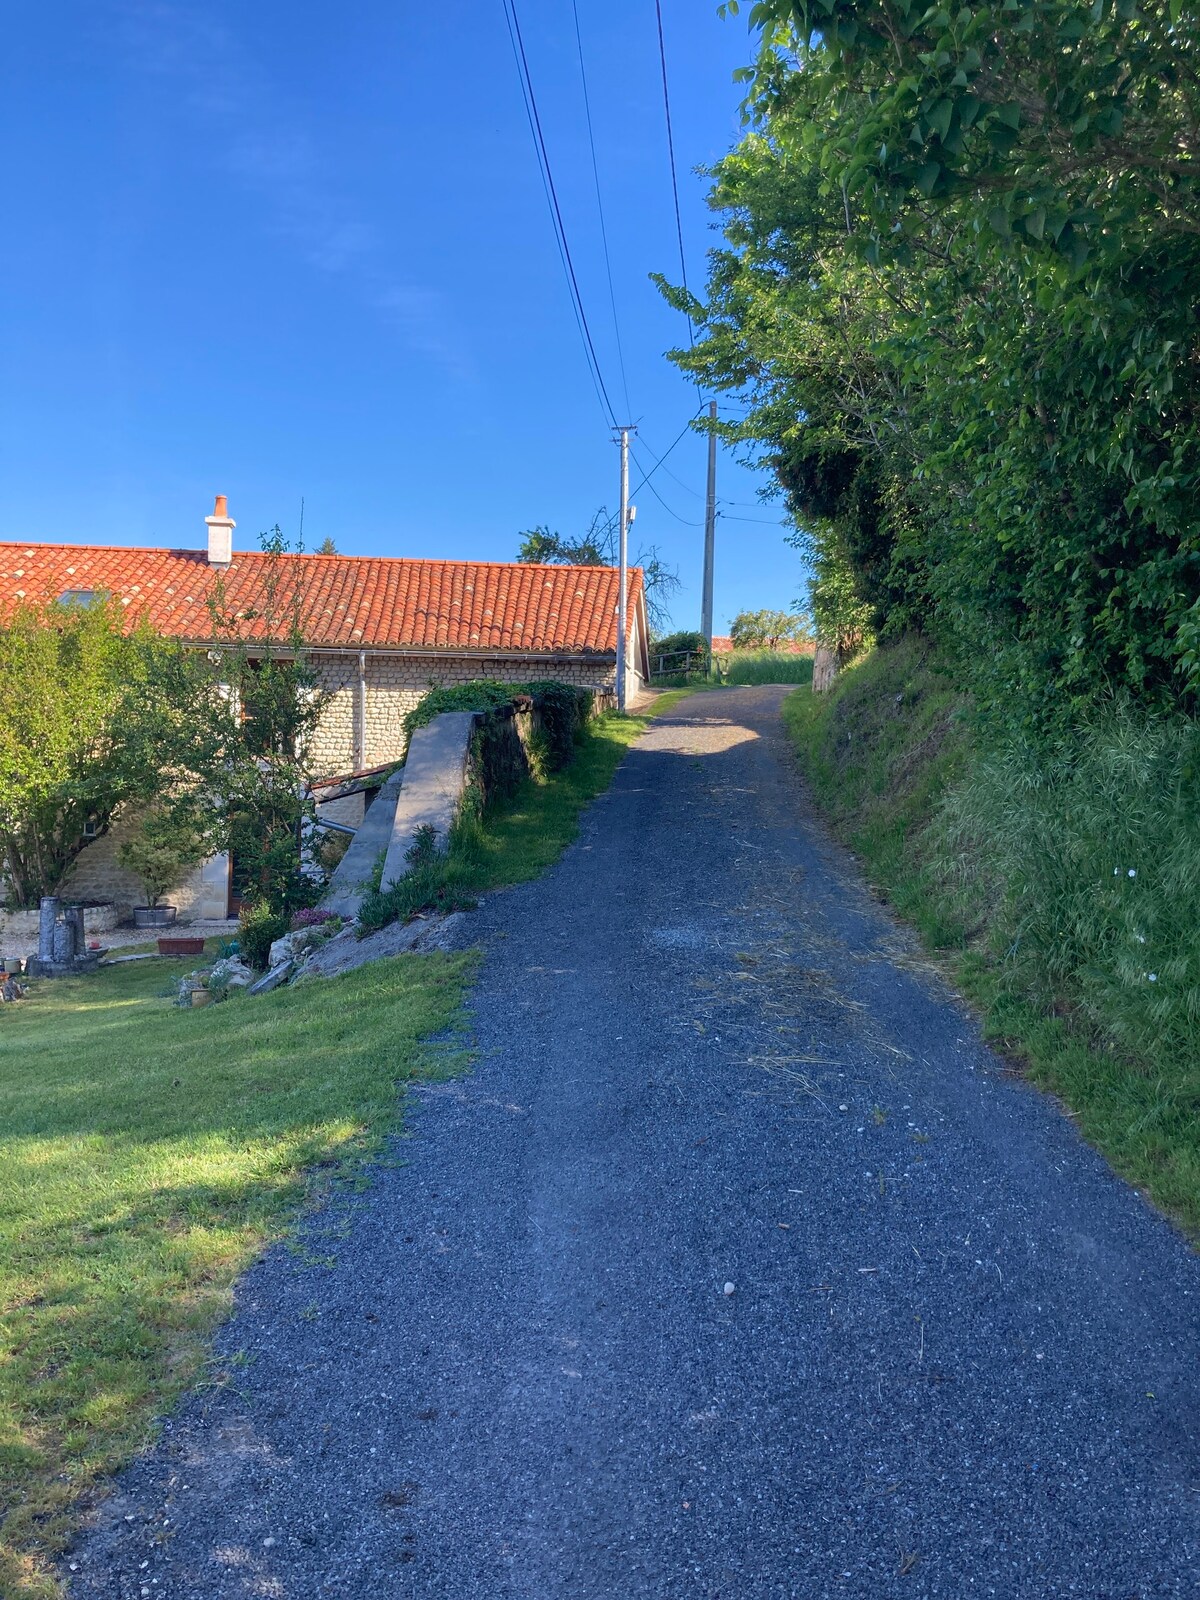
column 1095, row 851
column 1062, row 883
column 766, row 666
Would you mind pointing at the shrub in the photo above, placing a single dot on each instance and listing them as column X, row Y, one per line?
column 481, row 694
column 676, row 643
column 563, row 708
column 426, row 886
column 313, row 917
column 258, row 929
column 565, row 712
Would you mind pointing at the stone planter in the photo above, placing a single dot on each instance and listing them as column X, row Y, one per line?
column 201, row 997
column 153, row 916
column 180, row 945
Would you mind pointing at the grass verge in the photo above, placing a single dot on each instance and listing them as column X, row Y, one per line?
column 1004, row 861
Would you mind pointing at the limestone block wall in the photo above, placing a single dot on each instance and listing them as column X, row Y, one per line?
column 98, row 875
column 394, row 684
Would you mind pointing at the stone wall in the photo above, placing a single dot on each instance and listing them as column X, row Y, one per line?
column 98, row 875
column 394, row 684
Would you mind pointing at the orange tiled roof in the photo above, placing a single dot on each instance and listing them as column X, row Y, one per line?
column 345, row 601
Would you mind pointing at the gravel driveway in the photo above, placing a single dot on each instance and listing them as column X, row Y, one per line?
column 738, row 1267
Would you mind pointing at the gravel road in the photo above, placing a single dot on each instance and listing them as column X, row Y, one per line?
column 737, row 1268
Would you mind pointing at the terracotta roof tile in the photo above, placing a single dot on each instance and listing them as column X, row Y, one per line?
column 345, row 601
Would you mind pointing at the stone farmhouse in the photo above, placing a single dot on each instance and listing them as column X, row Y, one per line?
column 379, row 631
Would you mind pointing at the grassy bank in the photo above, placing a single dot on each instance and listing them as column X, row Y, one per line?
column 148, row 1154
column 1061, row 884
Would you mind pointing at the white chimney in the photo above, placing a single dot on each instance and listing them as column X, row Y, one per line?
column 220, row 534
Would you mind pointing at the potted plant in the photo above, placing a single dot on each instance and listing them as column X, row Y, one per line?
column 161, row 850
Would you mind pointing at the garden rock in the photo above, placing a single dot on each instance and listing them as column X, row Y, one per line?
column 231, row 973
column 273, row 979
column 291, row 946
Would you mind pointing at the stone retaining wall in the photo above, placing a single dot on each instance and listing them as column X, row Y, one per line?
column 394, row 684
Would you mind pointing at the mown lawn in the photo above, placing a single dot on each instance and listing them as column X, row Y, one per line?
column 147, row 1154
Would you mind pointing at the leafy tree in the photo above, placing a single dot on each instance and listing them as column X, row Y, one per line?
column 598, row 548
column 167, row 841
column 94, row 723
column 265, row 796
column 767, row 630
column 962, row 251
column 326, row 547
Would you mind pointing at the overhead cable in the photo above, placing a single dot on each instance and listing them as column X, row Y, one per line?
column 662, row 56
column 612, row 297
column 556, row 217
column 646, row 484
column 678, row 437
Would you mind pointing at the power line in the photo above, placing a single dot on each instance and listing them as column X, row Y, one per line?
column 535, row 127
column 612, row 298
column 645, row 483
column 662, row 56
column 677, row 439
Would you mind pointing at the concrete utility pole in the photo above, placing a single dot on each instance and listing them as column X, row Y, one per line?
column 710, row 533
column 623, row 562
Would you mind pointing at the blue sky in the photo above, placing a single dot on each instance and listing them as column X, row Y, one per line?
column 294, row 250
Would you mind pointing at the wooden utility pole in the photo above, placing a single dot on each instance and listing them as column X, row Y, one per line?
column 710, row 532
column 623, row 562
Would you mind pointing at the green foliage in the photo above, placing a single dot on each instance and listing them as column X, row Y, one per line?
column 258, row 928
column 677, row 643
column 1096, row 845
column 481, row 694
column 431, row 883
column 166, row 842
column 562, row 708
column 1015, row 860
column 564, row 712
column 766, row 666
column 264, row 795
column 90, row 722
column 767, row 630
column 150, row 1159
column 963, row 248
